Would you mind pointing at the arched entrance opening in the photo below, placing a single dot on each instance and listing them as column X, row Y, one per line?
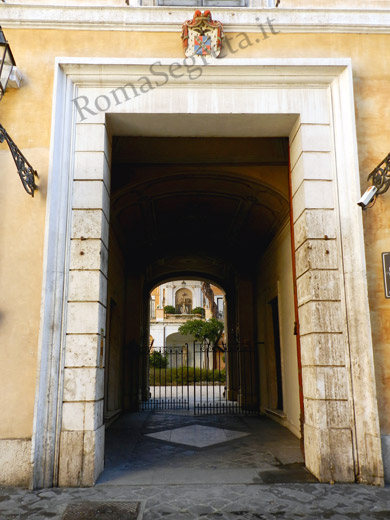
column 189, row 214
column 211, row 209
column 188, row 361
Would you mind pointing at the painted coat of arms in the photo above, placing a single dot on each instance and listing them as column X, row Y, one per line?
column 202, row 36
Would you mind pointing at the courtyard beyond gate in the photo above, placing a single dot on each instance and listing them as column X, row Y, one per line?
column 201, row 379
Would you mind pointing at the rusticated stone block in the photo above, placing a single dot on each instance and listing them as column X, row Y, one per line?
column 325, row 383
column 312, row 165
column 72, row 416
column 89, row 223
column 318, row 285
column 91, row 195
column 71, row 458
column 316, row 254
column 88, row 286
column 320, row 317
column 323, row 349
column 93, row 456
column 315, row 224
column 81, row 457
column 92, row 166
column 343, row 467
column 328, row 414
column 329, row 454
column 310, row 138
column 313, row 194
column 90, row 138
column 83, row 384
column 82, row 415
column 84, row 350
column 86, row 318
column 88, row 254
column 317, row 452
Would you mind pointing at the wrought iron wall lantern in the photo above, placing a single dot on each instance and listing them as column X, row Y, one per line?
column 380, row 178
column 26, row 172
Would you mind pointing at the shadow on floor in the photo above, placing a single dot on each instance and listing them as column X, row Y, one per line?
column 153, row 448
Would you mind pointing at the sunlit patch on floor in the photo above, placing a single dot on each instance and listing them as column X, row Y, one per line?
column 197, row 435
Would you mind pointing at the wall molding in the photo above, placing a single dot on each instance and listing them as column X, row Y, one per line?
column 163, row 19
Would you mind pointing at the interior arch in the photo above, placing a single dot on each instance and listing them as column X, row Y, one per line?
column 195, row 208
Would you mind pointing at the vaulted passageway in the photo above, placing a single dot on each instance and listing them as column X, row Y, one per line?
column 213, row 209
column 218, row 198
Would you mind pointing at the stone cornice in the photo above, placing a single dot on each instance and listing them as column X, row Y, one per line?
column 155, row 19
column 88, row 71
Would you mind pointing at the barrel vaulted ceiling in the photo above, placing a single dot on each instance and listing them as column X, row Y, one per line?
column 186, row 202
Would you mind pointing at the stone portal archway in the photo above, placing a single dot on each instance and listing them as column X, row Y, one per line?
column 311, row 102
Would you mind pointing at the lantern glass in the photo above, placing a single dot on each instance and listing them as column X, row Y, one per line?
column 6, row 63
column 2, row 37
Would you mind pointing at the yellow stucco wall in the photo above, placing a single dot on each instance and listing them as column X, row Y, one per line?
column 274, row 279
column 26, row 113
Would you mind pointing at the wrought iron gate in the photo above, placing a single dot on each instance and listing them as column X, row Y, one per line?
column 201, row 379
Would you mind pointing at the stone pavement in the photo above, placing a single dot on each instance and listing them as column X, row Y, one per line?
column 263, row 451
column 181, row 467
column 219, row 502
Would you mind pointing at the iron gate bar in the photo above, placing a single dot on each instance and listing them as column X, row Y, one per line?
column 221, row 378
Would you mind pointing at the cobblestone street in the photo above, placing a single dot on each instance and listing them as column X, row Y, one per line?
column 211, row 467
column 183, row 502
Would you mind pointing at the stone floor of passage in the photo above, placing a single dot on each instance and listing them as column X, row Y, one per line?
column 175, row 448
